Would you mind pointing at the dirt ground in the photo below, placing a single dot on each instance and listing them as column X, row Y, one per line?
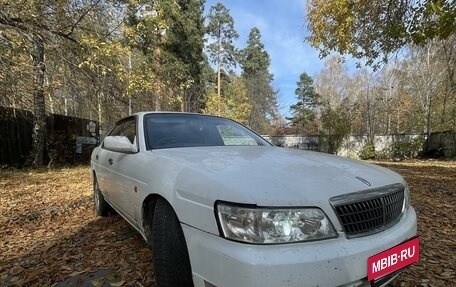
column 51, row 236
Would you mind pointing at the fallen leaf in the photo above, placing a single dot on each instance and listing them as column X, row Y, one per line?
column 68, row 268
column 31, row 276
column 14, row 279
column 77, row 273
column 16, row 270
column 97, row 283
column 447, row 274
column 117, row 284
column 433, row 261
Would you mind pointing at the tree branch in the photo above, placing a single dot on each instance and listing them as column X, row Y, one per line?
column 26, row 26
column 81, row 17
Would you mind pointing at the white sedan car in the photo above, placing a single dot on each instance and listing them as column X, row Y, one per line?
column 220, row 206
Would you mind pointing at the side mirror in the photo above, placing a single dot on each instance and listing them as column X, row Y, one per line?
column 119, row 144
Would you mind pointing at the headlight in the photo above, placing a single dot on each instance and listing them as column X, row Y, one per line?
column 406, row 197
column 270, row 225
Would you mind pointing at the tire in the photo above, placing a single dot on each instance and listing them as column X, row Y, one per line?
column 101, row 206
column 170, row 254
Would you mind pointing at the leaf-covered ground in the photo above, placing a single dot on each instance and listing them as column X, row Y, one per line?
column 50, row 235
column 433, row 195
column 49, row 232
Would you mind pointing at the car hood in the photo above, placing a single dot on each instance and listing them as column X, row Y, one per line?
column 268, row 176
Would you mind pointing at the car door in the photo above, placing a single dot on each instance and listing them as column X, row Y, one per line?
column 125, row 182
column 103, row 161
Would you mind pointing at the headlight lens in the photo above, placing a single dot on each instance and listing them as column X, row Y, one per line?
column 270, row 226
column 406, row 204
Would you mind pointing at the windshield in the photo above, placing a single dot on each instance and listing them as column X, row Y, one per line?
column 191, row 130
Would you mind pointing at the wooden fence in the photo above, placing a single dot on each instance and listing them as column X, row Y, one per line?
column 70, row 140
column 16, row 128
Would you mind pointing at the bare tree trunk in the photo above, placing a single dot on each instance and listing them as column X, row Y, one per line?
column 128, row 88
column 370, row 129
column 184, row 100
column 129, row 105
column 428, row 120
column 428, row 109
column 157, row 105
column 398, row 121
column 66, row 105
column 49, row 94
column 158, row 61
column 51, row 103
column 219, row 65
column 388, row 127
column 100, row 114
column 14, row 105
column 39, row 107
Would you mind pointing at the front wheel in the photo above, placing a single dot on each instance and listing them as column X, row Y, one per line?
column 170, row 254
column 101, row 206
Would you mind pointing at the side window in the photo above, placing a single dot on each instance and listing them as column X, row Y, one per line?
column 125, row 128
column 129, row 130
column 117, row 130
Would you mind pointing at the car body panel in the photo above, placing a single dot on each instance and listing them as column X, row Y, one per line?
column 192, row 179
column 319, row 263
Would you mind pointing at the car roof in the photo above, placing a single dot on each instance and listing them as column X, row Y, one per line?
column 142, row 114
column 166, row 112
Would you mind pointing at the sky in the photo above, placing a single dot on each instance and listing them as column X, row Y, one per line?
column 283, row 28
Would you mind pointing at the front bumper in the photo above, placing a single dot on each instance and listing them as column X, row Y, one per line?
column 332, row 262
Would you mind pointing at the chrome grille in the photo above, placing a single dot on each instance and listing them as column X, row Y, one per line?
column 370, row 211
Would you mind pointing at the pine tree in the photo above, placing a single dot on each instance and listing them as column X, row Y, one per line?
column 303, row 112
column 185, row 42
column 255, row 63
column 221, row 29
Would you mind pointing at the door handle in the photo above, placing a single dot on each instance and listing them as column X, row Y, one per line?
column 110, row 161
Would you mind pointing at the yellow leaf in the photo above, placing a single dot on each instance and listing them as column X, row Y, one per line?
column 117, row 284
column 16, row 270
column 97, row 283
